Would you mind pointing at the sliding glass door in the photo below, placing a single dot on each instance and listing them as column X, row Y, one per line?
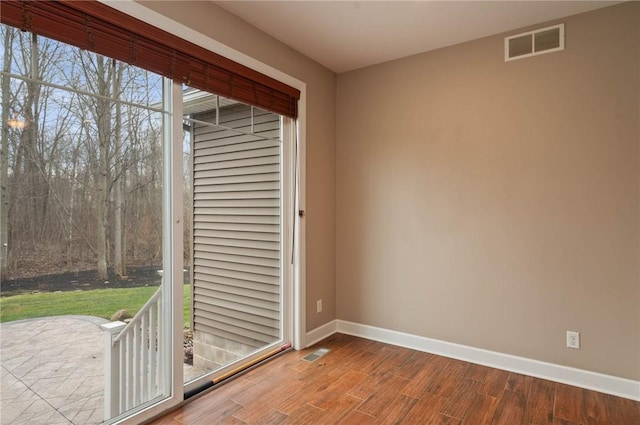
column 238, row 188
column 94, row 175
column 89, row 177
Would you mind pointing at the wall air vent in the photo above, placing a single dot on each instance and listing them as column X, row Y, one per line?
column 532, row 43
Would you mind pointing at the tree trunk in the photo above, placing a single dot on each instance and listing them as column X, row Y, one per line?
column 103, row 114
column 118, row 208
column 4, row 152
column 72, row 191
column 28, row 147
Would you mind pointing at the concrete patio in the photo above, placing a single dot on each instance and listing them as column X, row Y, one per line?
column 52, row 371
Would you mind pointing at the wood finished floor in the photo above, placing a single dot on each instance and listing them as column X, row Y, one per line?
column 367, row 382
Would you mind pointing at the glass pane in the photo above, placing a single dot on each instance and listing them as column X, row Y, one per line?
column 235, row 208
column 82, row 175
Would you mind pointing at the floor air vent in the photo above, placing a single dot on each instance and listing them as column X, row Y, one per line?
column 316, row 354
column 532, row 43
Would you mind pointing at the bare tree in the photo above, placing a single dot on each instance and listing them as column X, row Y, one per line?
column 119, row 260
column 4, row 151
column 102, row 115
column 81, row 182
column 27, row 149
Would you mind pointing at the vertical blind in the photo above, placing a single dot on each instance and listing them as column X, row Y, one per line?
column 99, row 28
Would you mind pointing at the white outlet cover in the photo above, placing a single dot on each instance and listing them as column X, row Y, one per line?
column 573, row 340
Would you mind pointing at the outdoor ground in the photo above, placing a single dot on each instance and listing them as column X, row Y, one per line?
column 81, row 280
column 82, row 293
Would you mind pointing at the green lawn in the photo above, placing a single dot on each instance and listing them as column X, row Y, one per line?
column 100, row 302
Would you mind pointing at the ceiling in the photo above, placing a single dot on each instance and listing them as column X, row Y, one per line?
column 347, row 35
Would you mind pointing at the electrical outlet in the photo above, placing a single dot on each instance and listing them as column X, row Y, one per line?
column 319, row 306
column 573, row 340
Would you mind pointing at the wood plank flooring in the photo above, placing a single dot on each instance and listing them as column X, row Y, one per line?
column 368, row 382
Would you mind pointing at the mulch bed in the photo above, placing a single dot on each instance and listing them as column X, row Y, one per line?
column 81, row 280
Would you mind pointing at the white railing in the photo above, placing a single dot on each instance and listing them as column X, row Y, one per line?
column 132, row 359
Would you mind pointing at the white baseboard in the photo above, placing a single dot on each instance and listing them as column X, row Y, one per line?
column 320, row 333
column 608, row 384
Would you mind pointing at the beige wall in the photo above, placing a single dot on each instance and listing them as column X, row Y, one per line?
column 496, row 204
column 480, row 202
column 210, row 20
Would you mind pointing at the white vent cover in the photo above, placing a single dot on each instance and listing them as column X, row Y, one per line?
column 532, row 43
